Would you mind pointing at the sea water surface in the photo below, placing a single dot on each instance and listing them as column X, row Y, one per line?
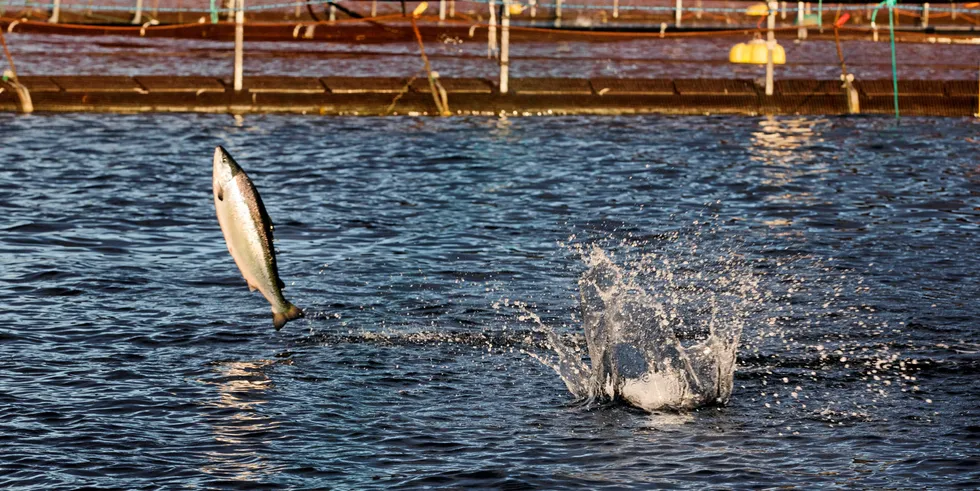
column 133, row 356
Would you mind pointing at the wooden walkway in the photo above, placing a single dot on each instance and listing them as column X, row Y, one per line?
column 381, row 96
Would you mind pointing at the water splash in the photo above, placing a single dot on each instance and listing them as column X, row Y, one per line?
column 662, row 331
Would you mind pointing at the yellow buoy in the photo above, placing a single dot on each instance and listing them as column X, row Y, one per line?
column 757, row 10
column 516, row 8
column 754, row 52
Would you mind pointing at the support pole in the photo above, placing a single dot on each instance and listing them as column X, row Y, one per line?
column 800, row 16
column 782, row 11
column 615, row 9
column 534, row 7
column 299, row 4
column 677, row 13
column 820, row 15
column 138, row 17
column 853, row 102
column 239, row 42
column 492, row 30
column 374, row 8
column 452, row 9
column 505, row 47
column 770, row 46
column 925, row 15
column 55, row 12
column 333, row 12
column 558, row 13
column 442, row 10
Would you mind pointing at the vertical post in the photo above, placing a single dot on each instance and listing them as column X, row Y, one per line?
column 214, row 12
column 505, row 47
column 239, row 42
column 853, row 100
column 442, row 10
column 299, row 5
column 820, row 15
column 138, row 17
column 782, row 10
column 615, row 9
column 374, row 8
column 492, row 30
column 925, row 15
column 952, row 11
column 699, row 6
column 452, row 8
column 558, row 13
column 333, row 12
column 801, row 28
column 677, row 13
column 534, row 7
column 55, row 12
column 770, row 45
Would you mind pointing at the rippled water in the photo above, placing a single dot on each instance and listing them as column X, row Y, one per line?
column 134, row 356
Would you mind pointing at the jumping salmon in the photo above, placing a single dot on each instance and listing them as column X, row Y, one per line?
column 248, row 233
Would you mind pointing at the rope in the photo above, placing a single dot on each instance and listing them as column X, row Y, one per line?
column 6, row 52
column 891, row 30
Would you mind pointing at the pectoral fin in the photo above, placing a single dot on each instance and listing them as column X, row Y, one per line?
column 221, row 193
column 252, row 287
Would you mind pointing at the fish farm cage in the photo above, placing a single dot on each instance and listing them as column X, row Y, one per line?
column 492, row 56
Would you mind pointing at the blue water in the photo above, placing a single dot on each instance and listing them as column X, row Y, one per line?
column 133, row 356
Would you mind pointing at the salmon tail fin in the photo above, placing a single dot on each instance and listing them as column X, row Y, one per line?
column 280, row 319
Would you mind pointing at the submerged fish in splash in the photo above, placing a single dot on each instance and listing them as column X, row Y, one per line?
column 635, row 355
column 248, row 232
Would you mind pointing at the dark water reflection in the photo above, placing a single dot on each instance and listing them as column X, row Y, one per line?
column 133, row 355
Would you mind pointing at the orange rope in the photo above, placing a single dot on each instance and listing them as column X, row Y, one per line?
column 10, row 59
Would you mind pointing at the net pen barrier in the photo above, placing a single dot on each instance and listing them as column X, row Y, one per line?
column 303, row 62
